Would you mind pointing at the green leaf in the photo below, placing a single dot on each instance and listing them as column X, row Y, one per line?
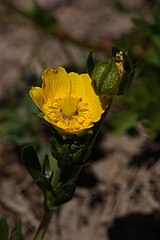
column 30, row 158
column 106, row 78
column 40, row 180
column 4, row 233
column 113, row 78
column 90, row 64
column 65, row 192
column 32, row 164
column 17, row 233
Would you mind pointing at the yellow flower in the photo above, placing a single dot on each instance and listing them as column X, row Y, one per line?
column 67, row 100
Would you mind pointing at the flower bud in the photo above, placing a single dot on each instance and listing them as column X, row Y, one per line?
column 114, row 76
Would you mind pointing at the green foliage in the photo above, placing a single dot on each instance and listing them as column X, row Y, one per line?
column 121, row 121
column 20, row 124
column 30, row 159
column 143, row 25
column 74, row 150
column 4, row 229
column 16, row 233
column 32, row 164
column 54, row 194
column 142, row 101
column 14, row 112
column 10, row 130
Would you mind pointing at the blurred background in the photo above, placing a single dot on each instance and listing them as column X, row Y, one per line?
column 118, row 195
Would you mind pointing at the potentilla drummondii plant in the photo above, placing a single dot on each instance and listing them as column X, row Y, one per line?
column 75, row 106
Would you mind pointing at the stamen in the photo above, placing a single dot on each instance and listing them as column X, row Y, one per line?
column 69, row 113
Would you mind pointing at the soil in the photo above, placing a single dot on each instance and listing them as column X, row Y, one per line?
column 118, row 194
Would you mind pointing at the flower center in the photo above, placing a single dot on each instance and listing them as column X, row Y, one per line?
column 70, row 113
column 69, row 107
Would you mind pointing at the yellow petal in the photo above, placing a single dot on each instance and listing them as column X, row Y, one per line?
column 55, row 83
column 77, row 86
column 92, row 98
column 37, row 95
column 96, row 116
column 88, row 86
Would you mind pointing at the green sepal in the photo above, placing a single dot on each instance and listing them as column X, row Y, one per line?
column 90, row 65
column 76, row 152
column 4, row 231
column 17, row 232
column 73, row 150
column 106, row 78
column 65, row 192
column 79, row 154
column 30, row 158
column 59, row 149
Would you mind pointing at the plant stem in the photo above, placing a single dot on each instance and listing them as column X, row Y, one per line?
column 47, row 216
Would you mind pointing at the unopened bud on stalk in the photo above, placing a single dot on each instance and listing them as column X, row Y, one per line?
column 112, row 78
